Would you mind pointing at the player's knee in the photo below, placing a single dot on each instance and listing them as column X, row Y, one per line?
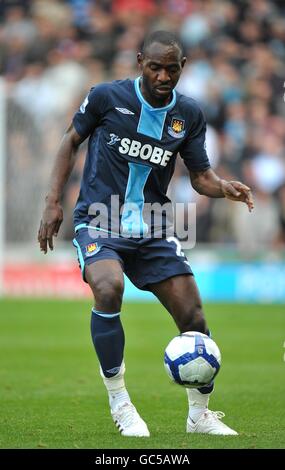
column 108, row 294
column 193, row 320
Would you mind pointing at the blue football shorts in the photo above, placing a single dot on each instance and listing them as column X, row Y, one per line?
column 144, row 260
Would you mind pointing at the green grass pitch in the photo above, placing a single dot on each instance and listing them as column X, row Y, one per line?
column 52, row 396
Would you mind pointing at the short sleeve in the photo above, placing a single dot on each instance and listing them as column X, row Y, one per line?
column 91, row 111
column 193, row 150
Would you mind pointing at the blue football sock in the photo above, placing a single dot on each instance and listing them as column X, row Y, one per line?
column 109, row 340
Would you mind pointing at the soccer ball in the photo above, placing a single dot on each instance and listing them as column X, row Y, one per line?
column 192, row 359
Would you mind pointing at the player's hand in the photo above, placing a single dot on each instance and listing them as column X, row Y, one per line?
column 237, row 191
column 49, row 226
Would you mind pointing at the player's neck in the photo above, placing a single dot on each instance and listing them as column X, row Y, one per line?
column 153, row 100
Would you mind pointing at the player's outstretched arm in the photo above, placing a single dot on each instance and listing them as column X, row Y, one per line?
column 209, row 184
column 53, row 215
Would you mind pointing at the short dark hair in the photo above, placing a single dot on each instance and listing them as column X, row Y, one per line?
column 162, row 37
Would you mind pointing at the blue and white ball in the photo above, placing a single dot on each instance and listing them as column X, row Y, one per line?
column 192, row 359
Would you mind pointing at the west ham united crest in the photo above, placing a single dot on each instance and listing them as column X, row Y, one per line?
column 92, row 249
column 177, row 128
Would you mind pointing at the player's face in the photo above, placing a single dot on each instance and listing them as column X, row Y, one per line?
column 161, row 68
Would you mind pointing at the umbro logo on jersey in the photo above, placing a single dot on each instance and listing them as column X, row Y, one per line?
column 124, row 111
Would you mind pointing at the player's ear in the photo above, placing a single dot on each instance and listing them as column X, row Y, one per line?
column 140, row 59
column 183, row 62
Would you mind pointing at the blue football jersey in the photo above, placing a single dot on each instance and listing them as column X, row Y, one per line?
column 132, row 150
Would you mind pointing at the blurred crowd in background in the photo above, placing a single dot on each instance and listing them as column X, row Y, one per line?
column 52, row 52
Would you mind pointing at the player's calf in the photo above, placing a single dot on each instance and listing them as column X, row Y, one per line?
column 106, row 281
column 108, row 339
column 191, row 318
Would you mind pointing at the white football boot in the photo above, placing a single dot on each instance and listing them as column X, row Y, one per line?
column 210, row 423
column 129, row 422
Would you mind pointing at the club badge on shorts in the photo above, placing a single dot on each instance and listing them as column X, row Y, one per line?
column 177, row 128
column 92, row 249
